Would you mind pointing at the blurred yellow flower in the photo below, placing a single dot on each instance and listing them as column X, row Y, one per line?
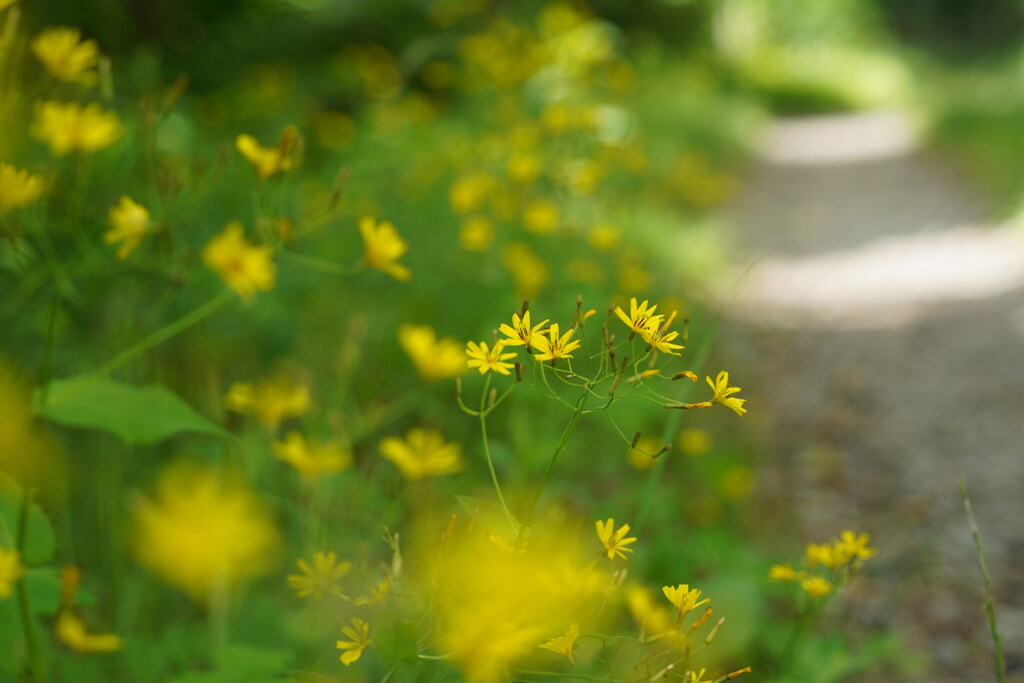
column 26, row 453
column 854, row 546
column 203, row 531
column 11, row 569
column 541, row 217
column 489, row 359
column 553, row 347
column 603, row 237
column 614, row 540
column 476, row 233
column 652, row 616
column 724, row 394
column 529, row 270
column 694, row 442
column 71, row 631
column 359, row 637
column 129, row 222
column 815, row 586
column 434, row 358
column 245, row 268
column 684, row 598
column 383, row 247
column 18, row 188
column 469, row 191
column 563, row 645
column 270, row 400
column 783, row 572
column 423, row 453
column 640, row 455
column 521, row 332
column 495, row 606
column 271, row 160
column 377, row 592
column 641, row 318
column 319, row 578
column 522, row 168
column 66, row 56
column 4, row 4
column 71, row 127
column 312, row 459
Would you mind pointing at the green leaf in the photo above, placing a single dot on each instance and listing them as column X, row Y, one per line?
column 396, row 643
column 39, row 539
column 137, row 414
column 43, row 588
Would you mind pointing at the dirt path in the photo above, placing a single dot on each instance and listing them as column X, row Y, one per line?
column 879, row 335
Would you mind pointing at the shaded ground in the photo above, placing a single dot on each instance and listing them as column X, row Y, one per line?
column 879, row 337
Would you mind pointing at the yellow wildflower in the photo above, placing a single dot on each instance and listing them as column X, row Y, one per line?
column 541, row 217
column 270, row 400
column 521, row 332
column 855, row 545
column 724, row 394
column 476, row 233
column 554, row 347
column 245, row 268
column 485, row 359
column 423, row 453
column 70, row 127
column 203, row 531
column 825, row 555
column 684, row 598
column 563, row 645
column 18, row 188
column 384, row 246
column 377, row 592
column 641, row 318
column 271, row 160
column 66, row 56
column 129, row 223
column 319, row 578
column 816, row 586
column 662, row 341
column 434, row 358
column 359, row 635
column 11, row 569
column 614, row 541
column 312, row 459
column 70, row 629
column 782, row 572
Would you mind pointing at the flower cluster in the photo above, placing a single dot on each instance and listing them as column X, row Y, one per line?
column 827, row 565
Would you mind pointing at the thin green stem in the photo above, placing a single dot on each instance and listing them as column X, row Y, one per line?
column 482, row 416
column 566, row 433
column 164, row 333
column 318, row 264
column 990, row 607
column 36, row 670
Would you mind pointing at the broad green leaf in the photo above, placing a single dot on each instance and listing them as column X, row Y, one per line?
column 137, row 414
column 39, row 540
column 396, row 642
